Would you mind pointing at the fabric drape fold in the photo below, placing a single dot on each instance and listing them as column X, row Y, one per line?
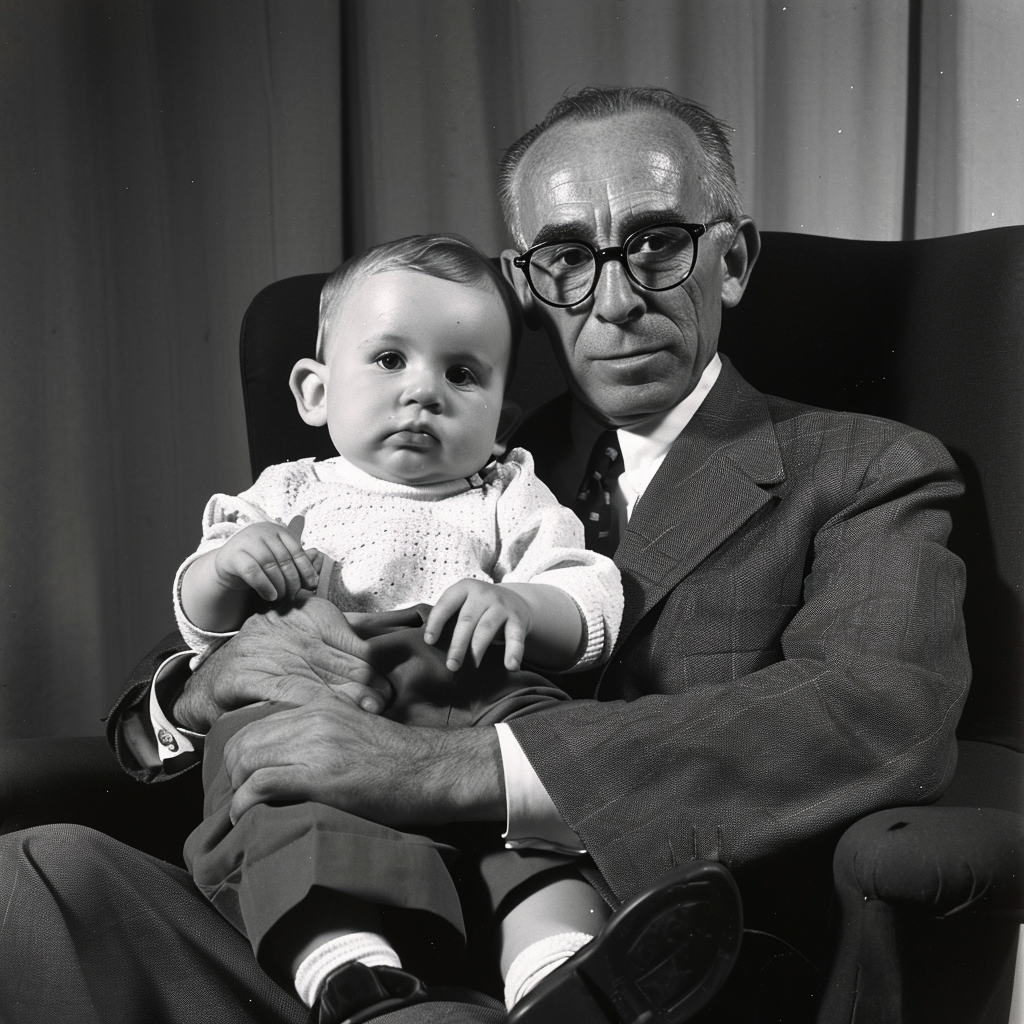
column 164, row 162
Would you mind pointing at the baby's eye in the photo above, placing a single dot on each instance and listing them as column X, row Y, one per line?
column 390, row 361
column 460, row 376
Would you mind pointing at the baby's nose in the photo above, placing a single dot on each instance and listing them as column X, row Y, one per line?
column 424, row 390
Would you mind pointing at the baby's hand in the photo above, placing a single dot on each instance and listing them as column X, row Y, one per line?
column 484, row 610
column 268, row 558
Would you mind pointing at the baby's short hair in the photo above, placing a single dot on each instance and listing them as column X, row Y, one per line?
column 448, row 257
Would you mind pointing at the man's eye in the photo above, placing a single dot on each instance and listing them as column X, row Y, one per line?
column 652, row 241
column 460, row 376
column 390, row 361
column 567, row 257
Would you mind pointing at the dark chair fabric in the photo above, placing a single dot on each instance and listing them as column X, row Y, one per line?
column 930, row 333
column 927, row 332
column 278, row 329
column 931, row 900
column 77, row 780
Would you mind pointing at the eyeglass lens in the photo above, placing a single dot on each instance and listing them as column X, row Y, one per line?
column 658, row 258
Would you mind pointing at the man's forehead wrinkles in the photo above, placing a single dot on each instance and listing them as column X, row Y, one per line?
column 569, row 187
column 601, row 183
column 566, row 187
column 558, row 180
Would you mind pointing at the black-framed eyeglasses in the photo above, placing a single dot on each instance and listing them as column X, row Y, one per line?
column 657, row 258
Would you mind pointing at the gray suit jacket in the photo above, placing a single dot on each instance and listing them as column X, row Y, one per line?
column 792, row 654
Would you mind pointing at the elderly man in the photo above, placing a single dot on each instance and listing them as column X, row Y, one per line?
column 792, row 654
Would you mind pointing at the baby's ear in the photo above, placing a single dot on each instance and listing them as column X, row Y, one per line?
column 511, row 414
column 308, row 382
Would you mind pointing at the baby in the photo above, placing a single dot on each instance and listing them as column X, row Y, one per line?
column 416, row 344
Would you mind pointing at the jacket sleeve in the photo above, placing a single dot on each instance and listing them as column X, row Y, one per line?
column 129, row 729
column 855, row 709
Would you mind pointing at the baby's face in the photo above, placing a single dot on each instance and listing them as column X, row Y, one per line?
column 415, row 376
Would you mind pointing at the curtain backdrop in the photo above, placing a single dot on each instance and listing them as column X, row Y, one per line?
column 162, row 160
column 160, row 163
column 817, row 92
column 817, row 97
column 971, row 169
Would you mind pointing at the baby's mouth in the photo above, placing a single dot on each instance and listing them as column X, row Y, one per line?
column 414, row 437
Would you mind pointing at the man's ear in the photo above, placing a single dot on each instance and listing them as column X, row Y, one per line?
column 517, row 279
column 739, row 261
column 308, row 382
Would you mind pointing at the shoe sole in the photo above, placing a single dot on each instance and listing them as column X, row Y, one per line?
column 659, row 960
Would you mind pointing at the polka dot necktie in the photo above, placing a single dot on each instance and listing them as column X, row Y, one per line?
column 593, row 503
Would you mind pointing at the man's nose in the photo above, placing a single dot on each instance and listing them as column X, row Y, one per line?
column 615, row 298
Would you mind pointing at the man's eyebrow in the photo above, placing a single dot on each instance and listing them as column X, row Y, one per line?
column 648, row 218
column 583, row 231
column 567, row 231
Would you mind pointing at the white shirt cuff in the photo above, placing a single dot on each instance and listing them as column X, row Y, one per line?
column 533, row 819
column 171, row 740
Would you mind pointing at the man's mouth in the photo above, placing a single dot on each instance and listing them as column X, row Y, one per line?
column 629, row 358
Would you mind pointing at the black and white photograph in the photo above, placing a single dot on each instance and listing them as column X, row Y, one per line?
column 512, row 511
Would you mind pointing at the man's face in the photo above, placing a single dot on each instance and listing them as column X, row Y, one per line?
column 628, row 353
column 415, row 376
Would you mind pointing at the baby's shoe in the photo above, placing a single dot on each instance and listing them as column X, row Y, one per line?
column 354, row 993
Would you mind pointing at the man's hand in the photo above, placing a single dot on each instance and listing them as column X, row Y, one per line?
column 329, row 752
column 484, row 610
column 296, row 654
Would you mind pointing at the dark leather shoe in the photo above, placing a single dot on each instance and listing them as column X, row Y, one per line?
column 355, row 993
column 658, row 960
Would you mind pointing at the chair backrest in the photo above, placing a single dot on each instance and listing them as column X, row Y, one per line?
column 928, row 332
column 280, row 327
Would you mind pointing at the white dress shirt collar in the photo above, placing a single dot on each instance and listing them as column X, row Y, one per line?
column 645, row 445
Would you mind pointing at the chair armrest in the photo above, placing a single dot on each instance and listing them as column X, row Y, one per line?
column 77, row 779
column 929, row 898
column 939, row 860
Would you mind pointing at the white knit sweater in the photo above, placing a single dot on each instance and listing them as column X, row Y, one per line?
column 397, row 545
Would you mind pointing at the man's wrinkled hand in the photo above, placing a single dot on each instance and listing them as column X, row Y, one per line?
column 292, row 654
column 328, row 752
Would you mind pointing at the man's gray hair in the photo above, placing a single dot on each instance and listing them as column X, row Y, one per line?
column 594, row 103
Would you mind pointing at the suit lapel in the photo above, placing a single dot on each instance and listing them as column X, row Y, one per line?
column 709, row 485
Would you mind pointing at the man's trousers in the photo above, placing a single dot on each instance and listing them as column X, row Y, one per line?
column 277, row 857
column 96, row 932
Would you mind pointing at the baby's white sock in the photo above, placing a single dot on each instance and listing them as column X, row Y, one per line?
column 538, row 960
column 368, row 947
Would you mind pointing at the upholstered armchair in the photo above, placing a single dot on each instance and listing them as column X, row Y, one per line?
column 929, row 900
